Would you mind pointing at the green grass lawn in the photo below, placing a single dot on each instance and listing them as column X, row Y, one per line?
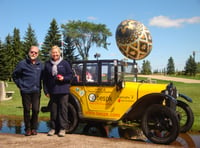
column 13, row 107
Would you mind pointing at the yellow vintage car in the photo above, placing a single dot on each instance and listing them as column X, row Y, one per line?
column 106, row 91
column 102, row 92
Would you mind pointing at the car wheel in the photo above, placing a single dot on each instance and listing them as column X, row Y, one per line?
column 160, row 124
column 72, row 118
column 185, row 115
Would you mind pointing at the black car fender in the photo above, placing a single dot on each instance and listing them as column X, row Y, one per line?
column 136, row 111
column 185, row 97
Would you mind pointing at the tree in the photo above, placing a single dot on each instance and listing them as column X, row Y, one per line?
column 69, row 50
column 170, row 66
column 10, row 57
column 29, row 40
column 12, row 52
column 2, row 62
column 191, row 67
column 52, row 38
column 198, row 67
column 146, row 67
column 85, row 34
column 17, row 52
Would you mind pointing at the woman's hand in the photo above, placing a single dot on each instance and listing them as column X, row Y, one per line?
column 47, row 95
column 60, row 77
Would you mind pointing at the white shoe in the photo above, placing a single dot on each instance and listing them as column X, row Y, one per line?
column 61, row 133
column 51, row 132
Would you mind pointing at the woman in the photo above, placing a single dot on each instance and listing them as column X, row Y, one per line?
column 57, row 76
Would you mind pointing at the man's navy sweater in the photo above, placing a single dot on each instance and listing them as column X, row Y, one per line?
column 27, row 76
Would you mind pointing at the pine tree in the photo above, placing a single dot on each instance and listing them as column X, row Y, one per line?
column 10, row 58
column 17, row 48
column 146, row 67
column 29, row 40
column 2, row 62
column 69, row 50
column 52, row 38
column 191, row 67
column 170, row 66
column 198, row 67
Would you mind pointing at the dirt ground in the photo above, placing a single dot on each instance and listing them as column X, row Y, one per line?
column 80, row 141
column 71, row 141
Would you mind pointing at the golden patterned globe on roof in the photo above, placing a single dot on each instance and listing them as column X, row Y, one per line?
column 133, row 39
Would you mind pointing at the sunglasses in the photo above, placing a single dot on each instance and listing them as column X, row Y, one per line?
column 33, row 52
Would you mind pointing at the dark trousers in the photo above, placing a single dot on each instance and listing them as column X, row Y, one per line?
column 59, row 111
column 31, row 102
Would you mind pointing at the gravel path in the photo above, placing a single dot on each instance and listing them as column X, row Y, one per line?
column 70, row 141
column 162, row 77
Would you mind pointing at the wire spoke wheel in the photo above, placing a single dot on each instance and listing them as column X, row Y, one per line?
column 185, row 116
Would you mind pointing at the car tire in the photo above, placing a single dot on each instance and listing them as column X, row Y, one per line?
column 72, row 118
column 185, row 115
column 160, row 124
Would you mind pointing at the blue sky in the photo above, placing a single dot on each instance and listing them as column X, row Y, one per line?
column 174, row 24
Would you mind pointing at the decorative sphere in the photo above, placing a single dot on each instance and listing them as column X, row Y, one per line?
column 133, row 39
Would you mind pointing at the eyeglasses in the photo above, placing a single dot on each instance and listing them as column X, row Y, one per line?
column 33, row 52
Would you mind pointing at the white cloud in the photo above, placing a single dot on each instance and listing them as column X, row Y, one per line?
column 91, row 18
column 166, row 22
column 193, row 20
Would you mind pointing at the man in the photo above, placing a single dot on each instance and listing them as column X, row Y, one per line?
column 27, row 76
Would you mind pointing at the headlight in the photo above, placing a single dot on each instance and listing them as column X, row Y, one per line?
column 171, row 90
